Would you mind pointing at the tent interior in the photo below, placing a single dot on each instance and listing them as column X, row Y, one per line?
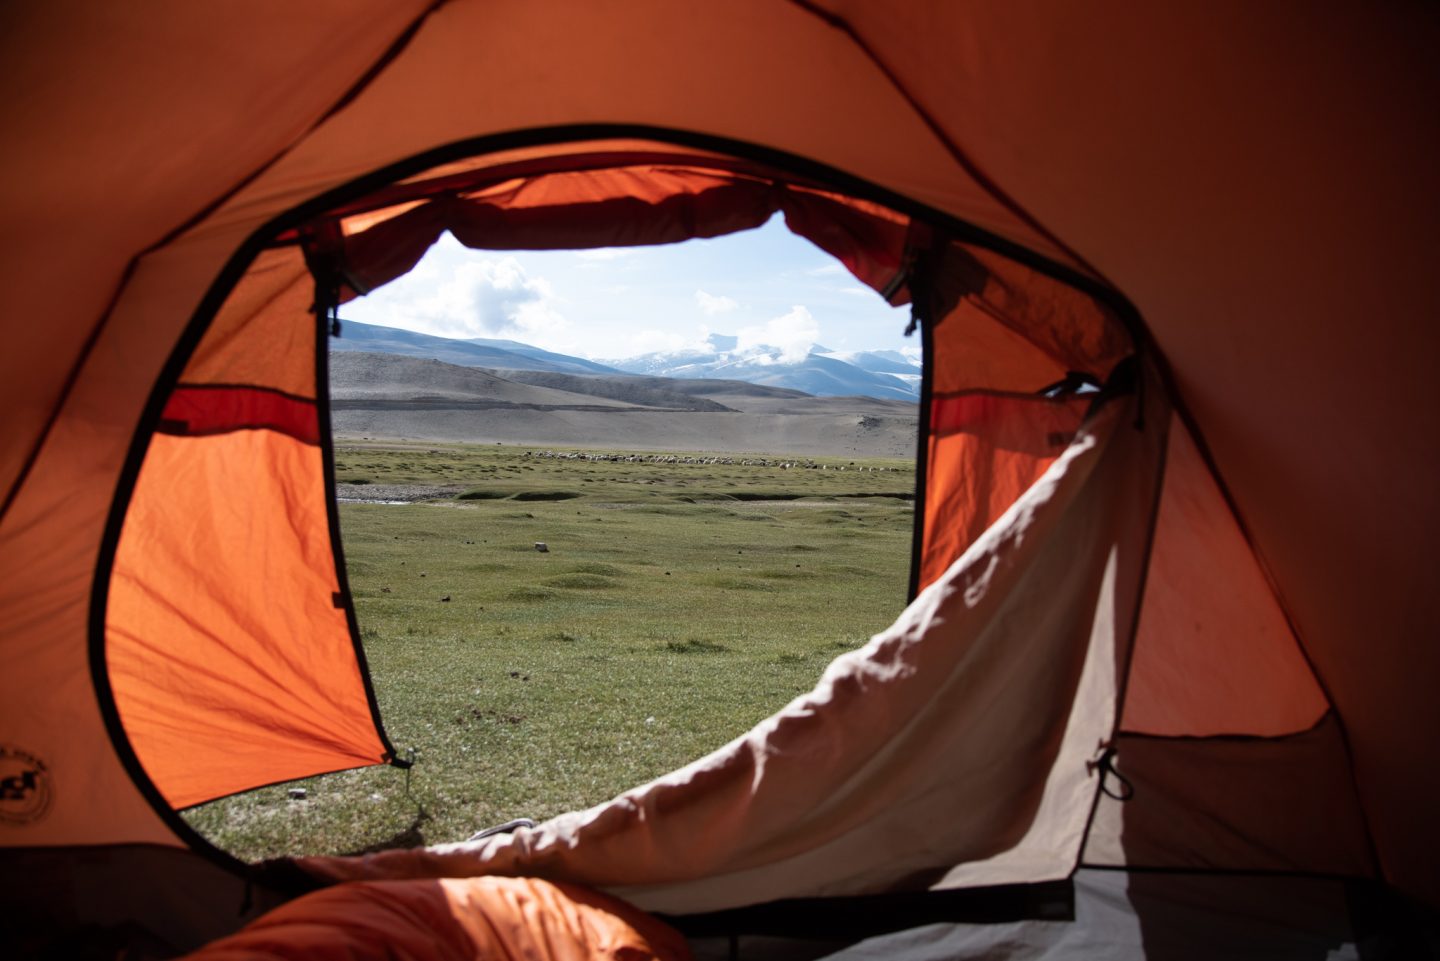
column 1161, row 688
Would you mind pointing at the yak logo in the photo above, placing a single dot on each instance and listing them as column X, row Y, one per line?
column 24, row 786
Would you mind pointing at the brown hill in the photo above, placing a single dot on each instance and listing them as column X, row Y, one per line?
column 384, row 396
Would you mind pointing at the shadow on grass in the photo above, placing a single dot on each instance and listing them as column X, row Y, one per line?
column 482, row 494
column 582, row 581
column 497, row 494
column 530, row 594
column 408, row 837
column 695, row 646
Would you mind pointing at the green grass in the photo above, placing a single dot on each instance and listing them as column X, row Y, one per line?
column 670, row 614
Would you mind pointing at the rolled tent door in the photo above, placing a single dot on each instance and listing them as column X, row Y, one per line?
column 229, row 640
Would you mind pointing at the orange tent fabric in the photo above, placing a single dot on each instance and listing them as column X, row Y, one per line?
column 267, row 672
column 1254, row 183
column 985, row 450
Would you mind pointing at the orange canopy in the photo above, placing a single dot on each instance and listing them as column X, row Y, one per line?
column 1241, row 194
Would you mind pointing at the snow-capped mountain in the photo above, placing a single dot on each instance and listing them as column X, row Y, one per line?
column 823, row 372
column 887, row 374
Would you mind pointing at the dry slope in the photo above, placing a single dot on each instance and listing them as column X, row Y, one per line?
column 386, row 396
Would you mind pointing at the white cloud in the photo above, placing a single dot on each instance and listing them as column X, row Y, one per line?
column 792, row 335
column 593, row 302
column 712, row 304
column 496, row 293
column 856, row 291
column 490, row 297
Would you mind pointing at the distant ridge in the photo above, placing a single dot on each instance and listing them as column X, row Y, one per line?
column 378, row 396
column 371, row 338
column 884, row 374
column 361, row 379
column 650, row 391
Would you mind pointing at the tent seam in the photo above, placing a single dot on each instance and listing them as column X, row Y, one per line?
column 351, row 92
column 1231, row 737
column 956, row 153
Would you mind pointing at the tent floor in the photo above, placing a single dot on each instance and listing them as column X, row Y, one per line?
column 1156, row 916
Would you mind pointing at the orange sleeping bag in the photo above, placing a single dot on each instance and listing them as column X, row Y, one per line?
column 451, row 919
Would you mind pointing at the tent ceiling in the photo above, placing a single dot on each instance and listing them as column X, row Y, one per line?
column 1258, row 180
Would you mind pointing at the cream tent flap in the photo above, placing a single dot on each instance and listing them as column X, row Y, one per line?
column 967, row 733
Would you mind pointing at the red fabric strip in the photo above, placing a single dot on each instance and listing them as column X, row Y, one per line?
column 1049, row 423
column 198, row 411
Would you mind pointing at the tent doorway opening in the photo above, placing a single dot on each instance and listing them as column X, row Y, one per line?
column 576, row 575
column 231, row 649
column 573, row 576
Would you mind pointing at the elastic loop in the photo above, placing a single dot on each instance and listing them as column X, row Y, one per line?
column 1106, row 766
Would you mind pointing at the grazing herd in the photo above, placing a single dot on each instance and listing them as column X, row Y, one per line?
column 704, row 459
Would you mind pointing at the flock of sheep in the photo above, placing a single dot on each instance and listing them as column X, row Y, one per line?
column 705, row 459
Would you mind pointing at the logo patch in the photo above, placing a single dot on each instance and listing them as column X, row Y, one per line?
column 25, row 788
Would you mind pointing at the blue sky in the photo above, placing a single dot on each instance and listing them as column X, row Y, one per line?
column 764, row 286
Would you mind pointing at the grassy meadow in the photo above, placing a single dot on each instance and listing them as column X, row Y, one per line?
column 677, row 605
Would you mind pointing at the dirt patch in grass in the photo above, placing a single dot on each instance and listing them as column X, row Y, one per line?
column 695, row 645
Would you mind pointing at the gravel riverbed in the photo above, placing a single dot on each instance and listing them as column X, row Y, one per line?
column 391, row 493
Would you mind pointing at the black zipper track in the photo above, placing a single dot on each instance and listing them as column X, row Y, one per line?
column 922, row 446
column 332, row 512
